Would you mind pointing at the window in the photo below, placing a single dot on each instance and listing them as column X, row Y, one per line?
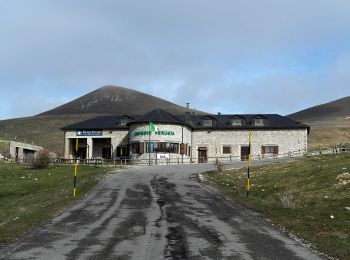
column 207, row 122
column 135, row 147
column 161, row 147
column 152, row 147
column 124, row 121
column 236, row 122
column 269, row 149
column 226, row 149
column 259, row 122
column 172, row 148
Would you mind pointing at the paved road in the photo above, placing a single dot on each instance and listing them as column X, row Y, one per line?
column 152, row 213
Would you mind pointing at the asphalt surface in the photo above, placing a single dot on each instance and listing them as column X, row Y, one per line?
column 162, row 212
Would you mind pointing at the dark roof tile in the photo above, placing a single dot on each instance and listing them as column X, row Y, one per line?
column 274, row 121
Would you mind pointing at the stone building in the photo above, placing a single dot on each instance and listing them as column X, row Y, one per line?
column 18, row 151
column 186, row 138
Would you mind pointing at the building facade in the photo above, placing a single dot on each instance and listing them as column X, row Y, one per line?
column 18, row 151
column 187, row 138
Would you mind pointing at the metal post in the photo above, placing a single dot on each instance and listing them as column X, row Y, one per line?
column 249, row 159
column 75, row 167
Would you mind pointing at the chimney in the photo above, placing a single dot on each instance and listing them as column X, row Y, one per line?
column 219, row 113
column 187, row 114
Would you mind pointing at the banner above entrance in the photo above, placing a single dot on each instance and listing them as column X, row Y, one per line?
column 89, row 133
column 137, row 133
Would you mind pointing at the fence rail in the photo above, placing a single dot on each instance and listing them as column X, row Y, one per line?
column 179, row 160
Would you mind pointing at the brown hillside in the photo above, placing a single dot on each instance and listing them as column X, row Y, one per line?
column 330, row 123
column 115, row 100
column 335, row 112
column 44, row 129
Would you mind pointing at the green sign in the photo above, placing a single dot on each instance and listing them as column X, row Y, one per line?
column 137, row 133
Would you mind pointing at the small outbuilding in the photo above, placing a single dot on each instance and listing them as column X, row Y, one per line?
column 18, row 151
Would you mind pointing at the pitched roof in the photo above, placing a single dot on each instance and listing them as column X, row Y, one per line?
column 97, row 123
column 158, row 116
column 274, row 121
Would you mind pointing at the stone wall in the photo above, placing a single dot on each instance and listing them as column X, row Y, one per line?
column 180, row 134
column 288, row 140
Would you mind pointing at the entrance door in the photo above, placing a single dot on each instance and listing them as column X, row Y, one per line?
column 81, row 153
column 122, row 151
column 202, row 155
column 106, row 153
column 17, row 152
column 244, row 153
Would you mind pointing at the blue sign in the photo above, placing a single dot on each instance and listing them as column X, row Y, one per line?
column 89, row 133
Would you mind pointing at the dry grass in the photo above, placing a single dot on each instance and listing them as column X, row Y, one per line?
column 326, row 136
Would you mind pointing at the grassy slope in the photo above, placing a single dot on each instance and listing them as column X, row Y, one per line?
column 41, row 130
column 28, row 196
column 329, row 132
column 327, row 136
column 301, row 196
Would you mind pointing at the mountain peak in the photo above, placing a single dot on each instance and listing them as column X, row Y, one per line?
column 115, row 100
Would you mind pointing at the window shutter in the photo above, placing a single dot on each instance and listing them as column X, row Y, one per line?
column 182, row 148
column 226, row 149
column 162, row 146
column 275, row 149
column 263, row 150
column 142, row 147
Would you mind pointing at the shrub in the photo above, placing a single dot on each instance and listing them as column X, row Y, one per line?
column 41, row 159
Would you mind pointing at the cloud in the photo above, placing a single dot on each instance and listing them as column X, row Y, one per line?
column 232, row 56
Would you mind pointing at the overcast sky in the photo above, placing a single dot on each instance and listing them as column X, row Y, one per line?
column 230, row 56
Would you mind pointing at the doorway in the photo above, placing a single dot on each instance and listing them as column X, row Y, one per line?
column 244, row 152
column 122, row 152
column 106, row 153
column 202, row 154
